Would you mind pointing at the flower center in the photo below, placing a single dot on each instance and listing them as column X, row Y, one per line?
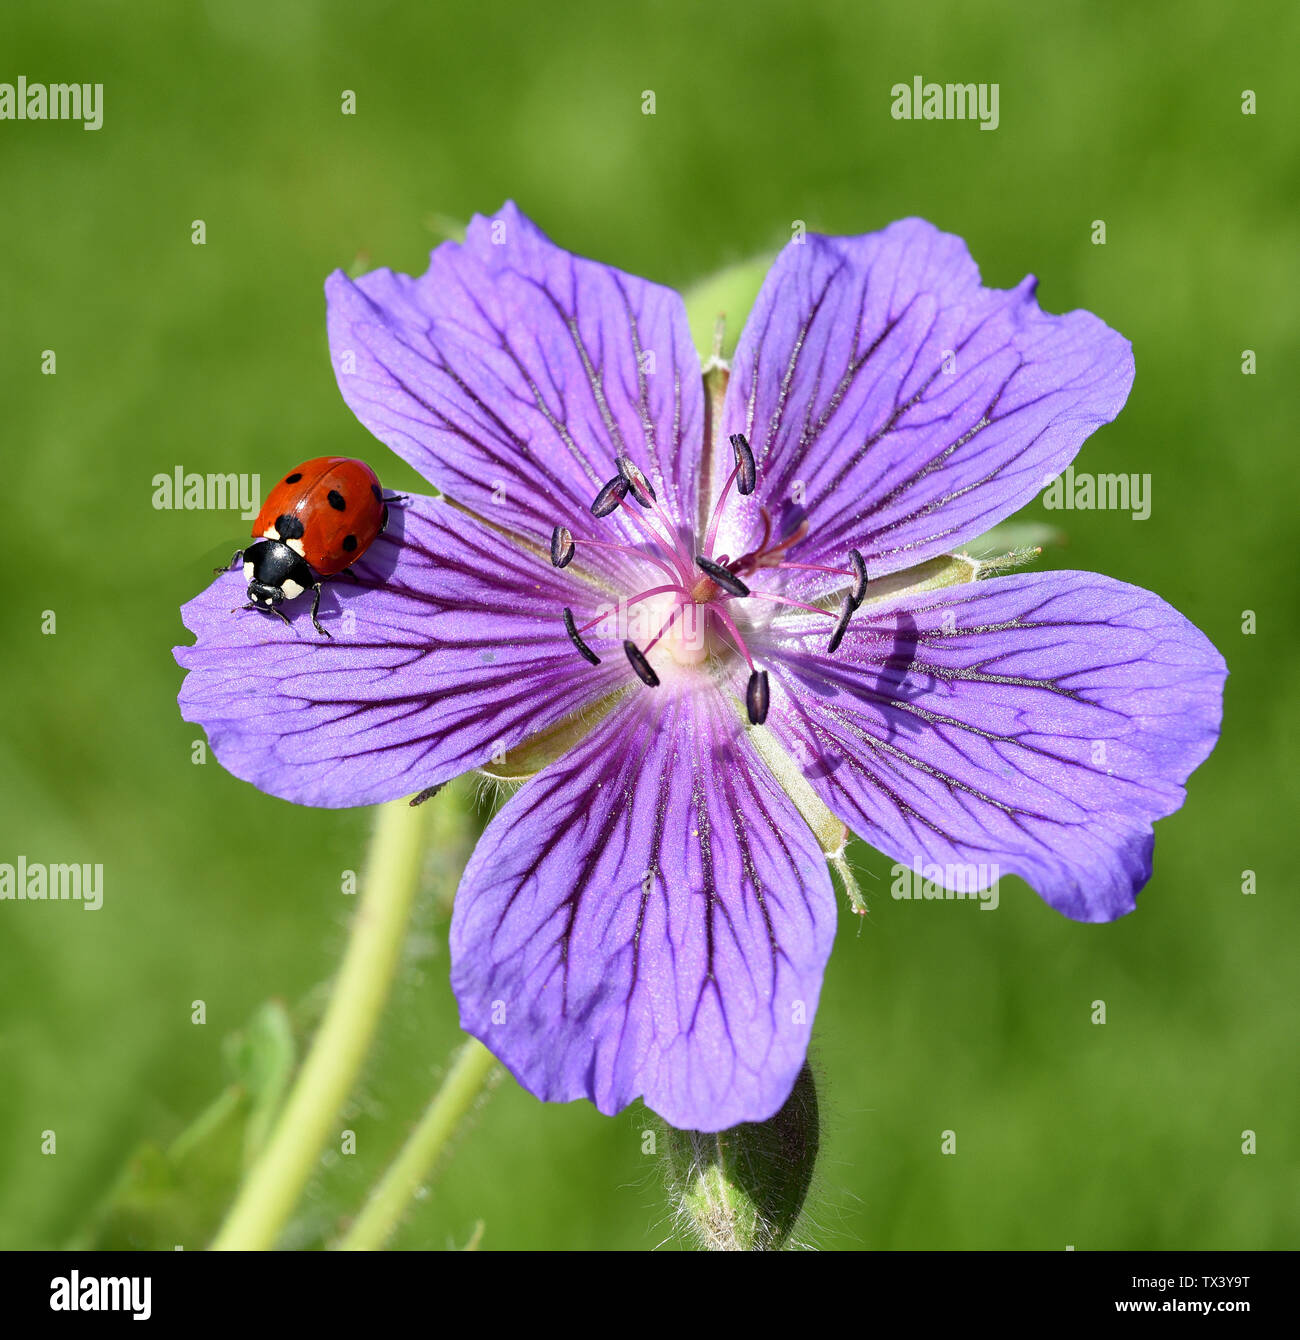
column 688, row 614
column 681, row 626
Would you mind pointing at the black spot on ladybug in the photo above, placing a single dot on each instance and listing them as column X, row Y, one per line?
column 293, row 478
column 288, row 527
column 335, row 499
column 349, row 543
column 378, row 492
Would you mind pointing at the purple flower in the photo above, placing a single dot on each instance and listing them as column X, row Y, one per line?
column 631, row 570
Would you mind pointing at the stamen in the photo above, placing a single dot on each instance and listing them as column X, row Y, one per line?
column 644, row 670
column 857, row 570
column 841, row 628
column 747, row 474
column 586, row 651
column 860, row 572
column 644, row 595
column 757, row 698
column 640, row 486
column 787, row 566
column 729, row 582
column 614, row 495
column 610, row 496
column 427, row 794
column 711, row 533
column 785, row 600
column 562, row 547
column 652, row 532
column 636, row 553
column 670, row 526
column 726, row 618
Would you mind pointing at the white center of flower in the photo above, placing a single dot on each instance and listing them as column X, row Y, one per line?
column 688, row 637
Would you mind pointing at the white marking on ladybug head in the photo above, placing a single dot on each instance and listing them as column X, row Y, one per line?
column 272, row 533
column 291, row 589
column 248, row 570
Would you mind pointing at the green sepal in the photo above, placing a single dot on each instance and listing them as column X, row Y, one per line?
column 533, row 754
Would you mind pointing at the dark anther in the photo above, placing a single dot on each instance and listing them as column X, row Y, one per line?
column 729, row 582
column 427, row 794
column 610, row 496
column 860, row 573
column 842, row 627
column 644, row 670
column 746, row 475
column 757, row 698
column 562, row 547
column 572, row 629
column 638, row 485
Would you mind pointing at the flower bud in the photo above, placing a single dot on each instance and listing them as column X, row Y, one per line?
column 743, row 1189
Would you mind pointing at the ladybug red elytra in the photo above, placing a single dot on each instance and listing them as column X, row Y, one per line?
column 315, row 523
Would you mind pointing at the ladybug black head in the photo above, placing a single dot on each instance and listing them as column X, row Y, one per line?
column 265, row 596
column 275, row 573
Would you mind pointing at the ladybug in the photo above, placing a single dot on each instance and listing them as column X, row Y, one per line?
column 315, row 523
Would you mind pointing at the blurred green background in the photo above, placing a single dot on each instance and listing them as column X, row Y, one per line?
column 935, row 1016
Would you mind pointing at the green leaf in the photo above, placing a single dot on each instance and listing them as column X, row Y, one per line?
column 262, row 1059
column 174, row 1196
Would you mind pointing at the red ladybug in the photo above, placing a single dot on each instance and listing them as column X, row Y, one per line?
column 316, row 522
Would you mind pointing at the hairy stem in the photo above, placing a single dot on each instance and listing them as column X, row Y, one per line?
column 471, row 1072
column 274, row 1183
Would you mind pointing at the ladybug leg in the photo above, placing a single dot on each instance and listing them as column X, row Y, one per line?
column 315, row 606
column 261, row 609
column 397, row 499
column 239, row 553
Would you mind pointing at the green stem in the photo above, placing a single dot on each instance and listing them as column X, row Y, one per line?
column 464, row 1082
column 276, row 1180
